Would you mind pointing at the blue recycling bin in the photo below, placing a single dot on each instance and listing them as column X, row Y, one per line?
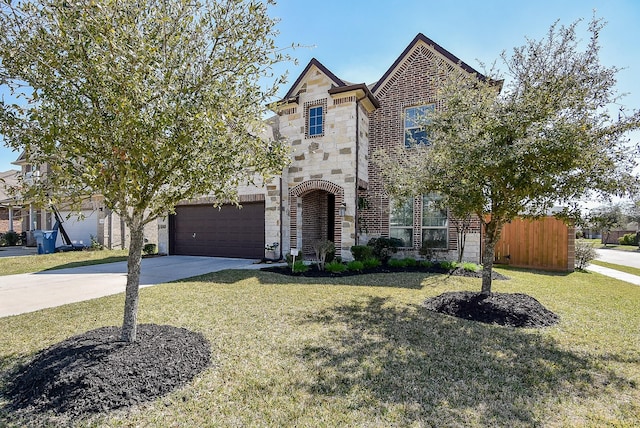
column 46, row 241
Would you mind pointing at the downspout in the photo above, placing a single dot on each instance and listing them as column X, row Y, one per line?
column 355, row 205
column 281, row 217
column 109, row 230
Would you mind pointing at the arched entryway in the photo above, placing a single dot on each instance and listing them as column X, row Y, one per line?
column 315, row 214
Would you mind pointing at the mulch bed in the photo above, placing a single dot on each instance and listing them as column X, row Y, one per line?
column 95, row 371
column 313, row 272
column 513, row 310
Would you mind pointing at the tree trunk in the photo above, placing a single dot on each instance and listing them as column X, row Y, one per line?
column 129, row 325
column 492, row 231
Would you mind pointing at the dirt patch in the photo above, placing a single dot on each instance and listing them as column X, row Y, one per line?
column 313, row 271
column 514, row 310
column 95, row 371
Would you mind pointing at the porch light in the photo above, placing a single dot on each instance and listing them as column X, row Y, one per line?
column 343, row 209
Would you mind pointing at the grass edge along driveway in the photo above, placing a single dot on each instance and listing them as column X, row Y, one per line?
column 361, row 351
column 42, row 262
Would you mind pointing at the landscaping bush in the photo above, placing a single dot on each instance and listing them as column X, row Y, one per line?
column 335, row 267
column 355, row 266
column 299, row 266
column 95, row 245
column 10, row 239
column 410, row 262
column 448, row 265
column 471, row 267
column 371, row 263
column 289, row 258
column 628, row 239
column 150, row 249
column 397, row 263
column 585, row 253
column 362, row 252
column 383, row 248
column 325, row 251
column 426, row 264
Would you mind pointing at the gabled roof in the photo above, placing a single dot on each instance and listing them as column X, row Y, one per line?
column 22, row 159
column 339, row 86
column 357, row 87
column 325, row 70
column 442, row 51
column 7, row 179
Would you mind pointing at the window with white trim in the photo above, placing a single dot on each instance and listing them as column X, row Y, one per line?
column 414, row 120
column 401, row 221
column 435, row 223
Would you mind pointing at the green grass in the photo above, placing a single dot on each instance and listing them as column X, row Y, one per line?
column 621, row 268
column 41, row 262
column 597, row 243
column 361, row 351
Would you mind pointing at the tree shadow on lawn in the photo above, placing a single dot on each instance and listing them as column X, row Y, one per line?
column 508, row 269
column 112, row 259
column 443, row 371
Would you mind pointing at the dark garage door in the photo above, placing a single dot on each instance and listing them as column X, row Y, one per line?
column 202, row 230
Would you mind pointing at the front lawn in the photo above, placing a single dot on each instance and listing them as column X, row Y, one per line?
column 597, row 243
column 41, row 262
column 362, row 351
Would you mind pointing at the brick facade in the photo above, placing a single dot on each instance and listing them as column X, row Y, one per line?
column 412, row 81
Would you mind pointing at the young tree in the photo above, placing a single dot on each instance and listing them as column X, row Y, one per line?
column 606, row 218
column 144, row 102
column 545, row 137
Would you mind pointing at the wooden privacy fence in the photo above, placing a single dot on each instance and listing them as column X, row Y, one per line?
column 546, row 243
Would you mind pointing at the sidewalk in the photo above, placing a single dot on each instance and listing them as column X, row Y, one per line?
column 623, row 276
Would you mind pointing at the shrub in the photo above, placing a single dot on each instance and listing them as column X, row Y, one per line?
column 10, row 239
column 383, row 248
column 335, row 267
column 289, row 258
column 95, row 245
column 426, row 264
column 397, row 263
column 149, row 249
column 362, row 252
column 410, row 262
column 585, row 252
column 471, row 267
column 325, row 251
column 448, row 265
column 371, row 263
column 628, row 239
column 299, row 266
column 355, row 266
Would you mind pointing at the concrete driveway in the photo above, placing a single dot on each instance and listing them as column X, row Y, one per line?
column 33, row 291
column 17, row 251
column 625, row 258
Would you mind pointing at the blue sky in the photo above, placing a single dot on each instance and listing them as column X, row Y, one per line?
column 358, row 40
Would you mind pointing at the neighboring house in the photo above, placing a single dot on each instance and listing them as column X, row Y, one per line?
column 331, row 190
column 94, row 221
column 8, row 219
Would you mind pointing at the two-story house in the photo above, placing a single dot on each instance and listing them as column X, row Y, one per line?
column 331, row 189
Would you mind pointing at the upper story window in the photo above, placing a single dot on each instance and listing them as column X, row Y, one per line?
column 316, row 121
column 414, row 120
column 315, row 112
